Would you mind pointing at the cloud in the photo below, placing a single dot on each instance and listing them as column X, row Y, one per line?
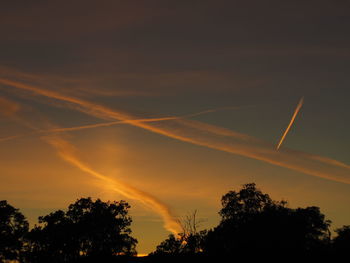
column 82, row 86
column 8, row 107
column 8, row 138
column 113, row 123
column 208, row 136
column 70, row 154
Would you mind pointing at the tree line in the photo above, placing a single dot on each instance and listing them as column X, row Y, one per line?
column 252, row 225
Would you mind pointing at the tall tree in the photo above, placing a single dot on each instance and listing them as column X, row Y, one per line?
column 13, row 228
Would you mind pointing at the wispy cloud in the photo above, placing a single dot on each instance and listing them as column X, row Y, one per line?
column 82, row 86
column 113, row 123
column 8, row 138
column 8, row 107
column 70, row 154
column 209, row 136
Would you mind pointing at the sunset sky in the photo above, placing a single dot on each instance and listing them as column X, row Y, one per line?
column 170, row 104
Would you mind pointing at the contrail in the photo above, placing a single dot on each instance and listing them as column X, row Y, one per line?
column 112, row 123
column 69, row 153
column 10, row 138
column 300, row 104
column 209, row 136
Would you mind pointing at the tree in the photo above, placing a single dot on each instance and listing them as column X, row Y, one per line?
column 170, row 246
column 188, row 242
column 54, row 240
column 341, row 243
column 310, row 228
column 254, row 223
column 249, row 200
column 13, row 228
column 88, row 229
column 192, row 238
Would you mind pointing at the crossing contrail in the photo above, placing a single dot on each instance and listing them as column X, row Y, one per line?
column 300, row 104
column 206, row 135
column 113, row 123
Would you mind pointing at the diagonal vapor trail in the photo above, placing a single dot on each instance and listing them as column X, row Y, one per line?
column 10, row 138
column 113, row 123
column 300, row 104
column 208, row 136
column 69, row 153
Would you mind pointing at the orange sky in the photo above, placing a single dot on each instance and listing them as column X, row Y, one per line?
column 171, row 105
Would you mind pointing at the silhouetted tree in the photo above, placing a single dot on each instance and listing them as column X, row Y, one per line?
column 253, row 223
column 13, row 228
column 192, row 238
column 55, row 240
column 249, row 200
column 88, row 229
column 341, row 243
column 170, row 246
column 189, row 241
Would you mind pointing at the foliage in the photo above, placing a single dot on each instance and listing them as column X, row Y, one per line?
column 13, row 227
column 87, row 229
column 188, row 242
column 170, row 246
column 248, row 200
column 95, row 231
column 341, row 243
column 252, row 221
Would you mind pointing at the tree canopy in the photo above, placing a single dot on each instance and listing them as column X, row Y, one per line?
column 341, row 242
column 251, row 224
column 252, row 221
column 88, row 229
column 249, row 200
column 13, row 227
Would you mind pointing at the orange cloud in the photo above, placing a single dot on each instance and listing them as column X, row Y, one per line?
column 209, row 136
column 70, row 154
column 8, row 107
column 10, row 138
column 82, row 86
column 145, row 120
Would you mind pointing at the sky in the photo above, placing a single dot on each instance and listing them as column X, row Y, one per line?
column 171, row 104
